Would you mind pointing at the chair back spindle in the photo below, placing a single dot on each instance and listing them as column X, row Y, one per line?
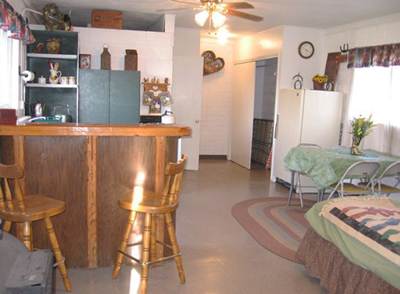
column 173, row 181
column 11, row 174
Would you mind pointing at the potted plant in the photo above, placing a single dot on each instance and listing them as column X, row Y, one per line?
column 360, row 128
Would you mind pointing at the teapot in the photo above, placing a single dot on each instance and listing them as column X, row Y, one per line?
column 37, row 109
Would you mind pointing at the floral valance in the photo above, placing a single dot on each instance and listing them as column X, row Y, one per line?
column 383, row 55
column 12, row 21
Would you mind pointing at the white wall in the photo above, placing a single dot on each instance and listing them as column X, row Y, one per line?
column 259, row 46
column 217, row 101
column 18, row 5
column 290, row 61
column 265, row 88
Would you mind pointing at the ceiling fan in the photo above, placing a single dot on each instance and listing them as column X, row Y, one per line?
column 214, row 11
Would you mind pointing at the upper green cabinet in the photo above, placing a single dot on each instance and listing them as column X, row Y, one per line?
column 109, row 96
column 38, row 60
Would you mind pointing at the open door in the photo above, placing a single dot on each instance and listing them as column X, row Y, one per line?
column 243, row 113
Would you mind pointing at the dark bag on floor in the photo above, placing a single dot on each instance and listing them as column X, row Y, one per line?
column 32, row 273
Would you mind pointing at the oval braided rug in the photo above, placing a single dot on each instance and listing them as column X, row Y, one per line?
column 277, row 227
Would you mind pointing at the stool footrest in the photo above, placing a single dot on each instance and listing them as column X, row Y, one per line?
column 59, row 262
column 153, row 261
column 159, row 242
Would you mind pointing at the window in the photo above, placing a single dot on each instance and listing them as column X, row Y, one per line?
column 10, row 86
column 376, row 91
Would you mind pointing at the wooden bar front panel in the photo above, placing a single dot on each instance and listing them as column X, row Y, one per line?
column 56, row 167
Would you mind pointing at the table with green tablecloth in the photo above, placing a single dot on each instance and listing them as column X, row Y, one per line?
column 326, row 166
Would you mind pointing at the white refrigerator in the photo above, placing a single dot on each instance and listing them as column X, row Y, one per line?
column 304, row 116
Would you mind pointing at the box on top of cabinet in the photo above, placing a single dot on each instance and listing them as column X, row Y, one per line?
column 107, row 19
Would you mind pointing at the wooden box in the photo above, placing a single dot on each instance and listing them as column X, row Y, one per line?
column 106, row 19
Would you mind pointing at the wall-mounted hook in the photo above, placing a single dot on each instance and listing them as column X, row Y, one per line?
column 345, row 48
column 21, row 74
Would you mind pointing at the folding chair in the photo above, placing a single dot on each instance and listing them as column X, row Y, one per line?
column 392, row 171
column 364, row 170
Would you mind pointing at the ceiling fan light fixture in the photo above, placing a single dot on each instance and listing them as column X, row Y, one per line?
column 201, row 18
column 218, row 19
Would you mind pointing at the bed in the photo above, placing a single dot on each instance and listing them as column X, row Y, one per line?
column 353, row 245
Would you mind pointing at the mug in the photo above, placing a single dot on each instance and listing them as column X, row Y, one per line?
column 71, row 80
column 54, row 76
column 64, row 80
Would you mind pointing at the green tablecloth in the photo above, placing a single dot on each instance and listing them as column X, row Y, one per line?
column 326, row 166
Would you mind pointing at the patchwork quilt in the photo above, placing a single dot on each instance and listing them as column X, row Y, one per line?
column 365, row 229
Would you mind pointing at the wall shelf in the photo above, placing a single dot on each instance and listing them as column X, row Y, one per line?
column 52, row 56
column 35, row 85
column 67, row 60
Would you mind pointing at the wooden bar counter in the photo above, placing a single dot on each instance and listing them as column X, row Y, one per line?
column 88, row 166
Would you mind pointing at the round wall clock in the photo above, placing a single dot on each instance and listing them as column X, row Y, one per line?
column 306, row 49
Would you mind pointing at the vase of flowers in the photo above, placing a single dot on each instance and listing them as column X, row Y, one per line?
column 360, row 128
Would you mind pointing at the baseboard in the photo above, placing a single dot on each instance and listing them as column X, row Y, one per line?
column 223, row 157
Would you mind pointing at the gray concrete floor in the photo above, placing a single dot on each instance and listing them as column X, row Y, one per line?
column 219, row 256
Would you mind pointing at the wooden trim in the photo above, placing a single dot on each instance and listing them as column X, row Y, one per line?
column 160, row 163
column 106, row 130
column 91, row 195
column 19, row 157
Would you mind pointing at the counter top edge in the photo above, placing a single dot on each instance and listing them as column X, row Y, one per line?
column 103, row 130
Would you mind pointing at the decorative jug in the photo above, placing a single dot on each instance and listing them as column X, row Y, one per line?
column 54, row 76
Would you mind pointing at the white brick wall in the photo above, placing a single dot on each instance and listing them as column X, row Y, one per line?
column 217, row 102
column 155, row 50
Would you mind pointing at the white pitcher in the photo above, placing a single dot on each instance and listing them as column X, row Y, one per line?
column 54, row 76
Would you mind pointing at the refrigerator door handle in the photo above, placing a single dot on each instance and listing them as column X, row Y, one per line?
column 276, row 126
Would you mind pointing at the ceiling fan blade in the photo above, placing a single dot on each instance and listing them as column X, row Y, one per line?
column 176, row 9
column 237, row 5
column 247, row 16
column 185, row 2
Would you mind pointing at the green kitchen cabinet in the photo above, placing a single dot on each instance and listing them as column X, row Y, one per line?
column 109, row 96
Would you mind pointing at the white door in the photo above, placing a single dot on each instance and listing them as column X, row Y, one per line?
column 187, row 90
column 243, row 113
column 287, row 131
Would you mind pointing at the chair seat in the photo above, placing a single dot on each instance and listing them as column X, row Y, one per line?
column 389, row 189
column 349, row 188
column 37, row 207
column 150, row 202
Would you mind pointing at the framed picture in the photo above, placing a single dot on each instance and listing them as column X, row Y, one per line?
column 85, row 61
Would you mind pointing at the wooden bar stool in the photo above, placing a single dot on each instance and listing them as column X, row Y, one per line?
column 18, row 208
column 151, row 203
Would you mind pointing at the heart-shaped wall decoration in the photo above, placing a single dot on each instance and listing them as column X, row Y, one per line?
column 212, row 64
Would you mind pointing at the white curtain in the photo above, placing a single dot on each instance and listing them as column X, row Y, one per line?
column 376, row 91
column 10, row 85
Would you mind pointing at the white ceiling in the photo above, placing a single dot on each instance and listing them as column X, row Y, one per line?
column 308, row 13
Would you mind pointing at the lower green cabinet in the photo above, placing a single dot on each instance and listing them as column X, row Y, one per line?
column 109, row 96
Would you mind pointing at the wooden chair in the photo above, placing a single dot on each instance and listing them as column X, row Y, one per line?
column 364, row 170
column 151, row 203
column 18, row 208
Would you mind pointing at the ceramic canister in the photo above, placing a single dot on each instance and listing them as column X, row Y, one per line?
column 42, row 80
column 64, row 80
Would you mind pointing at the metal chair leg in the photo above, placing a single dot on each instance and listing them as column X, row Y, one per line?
column 291, row 186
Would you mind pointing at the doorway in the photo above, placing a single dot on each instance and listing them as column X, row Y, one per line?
column 248, row 106
column 264, row 111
